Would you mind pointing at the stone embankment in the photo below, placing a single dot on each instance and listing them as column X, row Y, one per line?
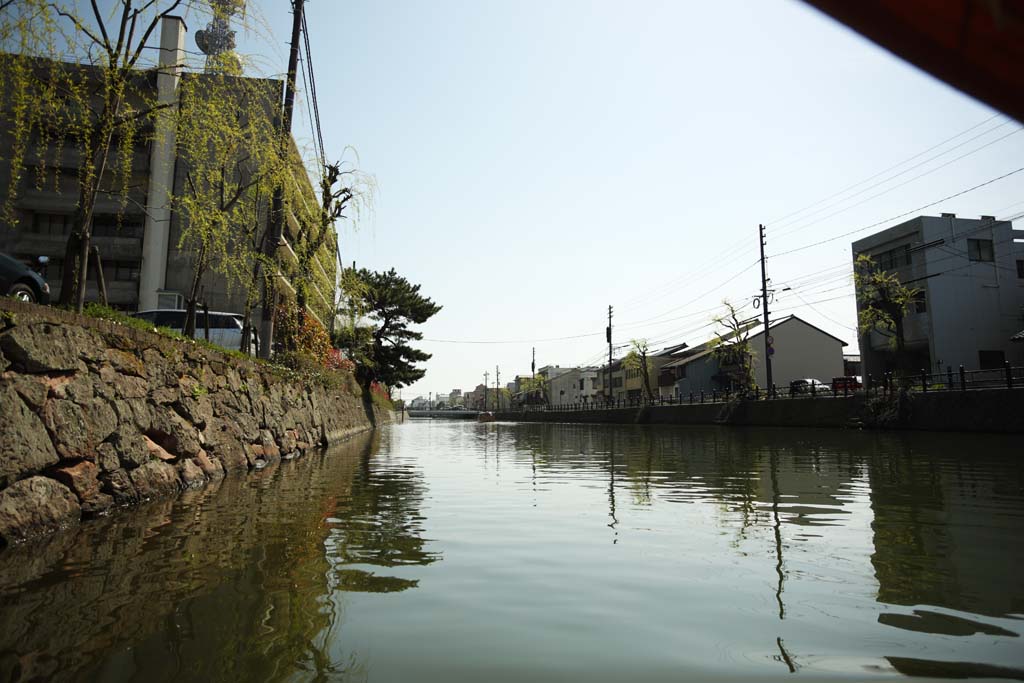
column 95, row 415
column 984, row 410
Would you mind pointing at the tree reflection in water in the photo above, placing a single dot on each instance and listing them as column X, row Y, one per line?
column 230, row 582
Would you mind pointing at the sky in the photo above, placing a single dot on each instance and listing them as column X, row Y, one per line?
column 537, row 162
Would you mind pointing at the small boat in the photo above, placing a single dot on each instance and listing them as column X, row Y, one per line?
column 486, row 417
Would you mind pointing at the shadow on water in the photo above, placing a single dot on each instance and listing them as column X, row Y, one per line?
column 230, row 582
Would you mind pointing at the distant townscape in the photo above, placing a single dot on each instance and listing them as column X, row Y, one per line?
column 953, row 295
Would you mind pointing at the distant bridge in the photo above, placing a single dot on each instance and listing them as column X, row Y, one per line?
column 446, row 414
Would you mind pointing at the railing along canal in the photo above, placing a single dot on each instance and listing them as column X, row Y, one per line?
column 1006, row 377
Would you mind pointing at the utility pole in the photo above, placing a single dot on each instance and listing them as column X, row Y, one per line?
column 608, row 335
column 533, row 364
column 275, row 230
column 768, row 350
column 497, row 388
column 487, row 377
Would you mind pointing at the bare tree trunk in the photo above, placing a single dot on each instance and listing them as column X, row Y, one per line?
column 193, row 294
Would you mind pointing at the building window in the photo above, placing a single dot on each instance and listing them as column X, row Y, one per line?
column 51, row 224
column 980, row 250
column 894, row 258
column 991, row 360
column 121, row 271
column 920, row 304
column 1020, row 268
column 110, row 225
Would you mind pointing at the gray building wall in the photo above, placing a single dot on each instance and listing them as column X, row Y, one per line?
column 971, row 306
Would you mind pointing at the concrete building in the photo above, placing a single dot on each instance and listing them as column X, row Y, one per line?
column 971, row 276
column 138, row 238
column 802, row 351
column 578, row 385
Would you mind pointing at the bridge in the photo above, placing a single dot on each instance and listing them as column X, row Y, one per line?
column 445, row 414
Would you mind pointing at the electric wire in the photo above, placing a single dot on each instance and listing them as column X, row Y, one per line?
column 884, row 171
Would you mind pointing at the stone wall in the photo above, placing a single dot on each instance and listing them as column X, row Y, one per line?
column 95, row 415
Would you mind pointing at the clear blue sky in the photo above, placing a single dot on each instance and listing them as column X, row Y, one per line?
column 538, row 161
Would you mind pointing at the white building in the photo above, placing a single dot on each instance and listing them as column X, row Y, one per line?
column 971, row 276
column 577, row 385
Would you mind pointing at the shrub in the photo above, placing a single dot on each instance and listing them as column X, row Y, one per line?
column 310, row 340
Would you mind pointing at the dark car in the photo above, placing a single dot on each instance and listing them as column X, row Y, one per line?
column 847, row 383
column 21, row 282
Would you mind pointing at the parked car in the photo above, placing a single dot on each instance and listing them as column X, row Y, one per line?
column 23, row 283
column 847, row 383
column 803, row 386
column 225, row 328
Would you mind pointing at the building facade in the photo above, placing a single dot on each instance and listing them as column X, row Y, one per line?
column 970, row 273
column 137, row 231
column 577, row 386
column 802, row 351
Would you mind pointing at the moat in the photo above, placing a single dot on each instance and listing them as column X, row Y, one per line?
column 458, row 551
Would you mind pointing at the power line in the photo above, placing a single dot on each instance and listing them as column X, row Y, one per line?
column 313, row 97
column 902, row 215
column 890, row 168
column 895, row 187
column 712, row 262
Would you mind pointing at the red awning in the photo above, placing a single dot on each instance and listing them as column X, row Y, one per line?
column 974, row 45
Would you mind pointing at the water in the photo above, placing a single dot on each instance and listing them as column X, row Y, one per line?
column 456, row 551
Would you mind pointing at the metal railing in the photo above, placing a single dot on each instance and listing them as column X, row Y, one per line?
column 1007, row 377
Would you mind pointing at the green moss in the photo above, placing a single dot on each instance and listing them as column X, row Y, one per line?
column 101, row 312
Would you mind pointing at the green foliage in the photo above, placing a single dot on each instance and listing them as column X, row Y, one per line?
column 97, row 107
column 732, row 348
column 303, row 336
column 380, row 345
column 883, row 301
column 97, row 310
column 231, row 151
column 636, row 359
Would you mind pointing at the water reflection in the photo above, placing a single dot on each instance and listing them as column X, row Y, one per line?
column 570, row 552
column 946, row 515
column 230, row 582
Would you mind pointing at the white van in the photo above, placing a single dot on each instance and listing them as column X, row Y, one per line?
column 225, row 328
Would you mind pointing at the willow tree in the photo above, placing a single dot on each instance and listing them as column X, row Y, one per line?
column 637, row 359
column 100, row 105
column 344, row 193
column 732, row 348
column 228, row 142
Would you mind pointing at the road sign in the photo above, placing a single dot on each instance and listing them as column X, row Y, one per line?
column 771, row 340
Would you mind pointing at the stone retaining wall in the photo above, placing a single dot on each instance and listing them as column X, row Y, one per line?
column 96, row 415
column 987, row 410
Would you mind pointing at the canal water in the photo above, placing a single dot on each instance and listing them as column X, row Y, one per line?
column 457, row 551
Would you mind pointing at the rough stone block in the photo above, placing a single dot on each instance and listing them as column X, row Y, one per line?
column 124, row 362
column 173, row 433
column 191, row 474
column 156, row 451
column 25, row 445
column 119, row 485
column 155, row 479
column 46, row 347
column 211, row 467
column 76, row 429
column 36, row 506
